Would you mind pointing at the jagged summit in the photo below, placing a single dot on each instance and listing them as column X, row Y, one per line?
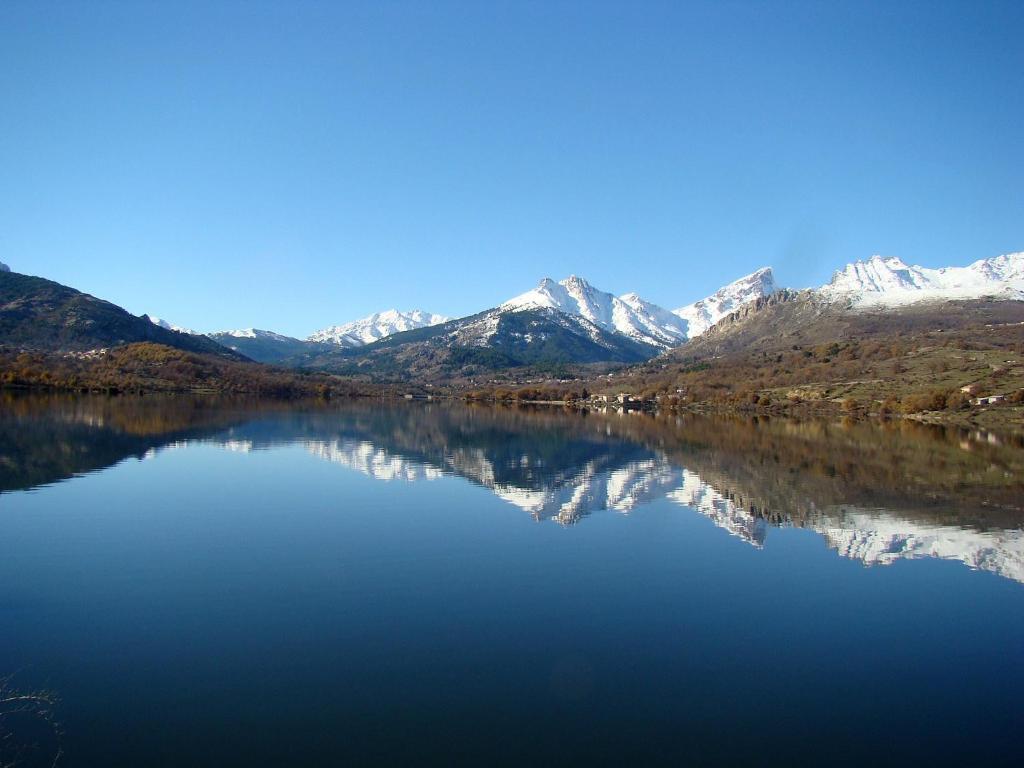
column 703, row 314
column 630, row 315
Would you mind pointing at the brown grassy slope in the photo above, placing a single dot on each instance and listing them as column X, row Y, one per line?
column 791, row 348
column 149, row 367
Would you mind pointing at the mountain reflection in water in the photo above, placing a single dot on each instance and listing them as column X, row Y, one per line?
column 875, row 493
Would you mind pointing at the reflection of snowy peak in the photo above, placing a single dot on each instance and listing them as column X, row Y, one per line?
column 702, row 314
column 363, row 456
column 889, row 281
column 875, row 537
column 619, row 489
column 722, row 511
column 882, row 539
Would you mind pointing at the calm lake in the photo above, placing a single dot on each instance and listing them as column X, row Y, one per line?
column 217, row 583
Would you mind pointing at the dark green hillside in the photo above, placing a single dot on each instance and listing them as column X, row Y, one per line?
column 485, row 342
column 268, row 347
column 40, row 315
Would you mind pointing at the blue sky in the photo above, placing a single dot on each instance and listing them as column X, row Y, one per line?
column 293, row 165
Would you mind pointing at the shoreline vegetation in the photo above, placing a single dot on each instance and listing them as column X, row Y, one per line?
column 146, row 367
column 896, row 463
column 926, row 408
column 789, row 353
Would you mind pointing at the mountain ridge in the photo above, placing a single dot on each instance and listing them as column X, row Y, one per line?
column 889, row 281
column 366, row 330
column 43, row 315
column 640, row 320
column 555, row 324
column 702, row 314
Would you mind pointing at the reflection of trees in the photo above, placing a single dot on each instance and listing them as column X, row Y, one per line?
column 784, row 471
column 45, row 438
column 790, row 470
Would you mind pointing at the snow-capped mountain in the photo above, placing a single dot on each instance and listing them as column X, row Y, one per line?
column 882, row 281
column 375, row 327
column 630, row 315
column 535, row 335
column 569, row 321
column 263, row 346
column 170, row 327
column 702, row 314
column 251, row 333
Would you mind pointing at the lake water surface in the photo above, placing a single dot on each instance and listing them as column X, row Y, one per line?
column 220, row 583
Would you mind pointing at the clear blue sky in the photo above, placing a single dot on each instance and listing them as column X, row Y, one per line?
column 291, row 165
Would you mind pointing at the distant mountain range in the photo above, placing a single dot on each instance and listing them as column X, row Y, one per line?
column 375, row 327
column 270, row 347
column 555, row 323
column 264, row 346
column 571, row 321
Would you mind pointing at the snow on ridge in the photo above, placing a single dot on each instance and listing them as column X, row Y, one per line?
column 369, row 329
column 170, row 327
column 703, row 314
column 252, row 333
column 888, row 281
column 630, row 315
